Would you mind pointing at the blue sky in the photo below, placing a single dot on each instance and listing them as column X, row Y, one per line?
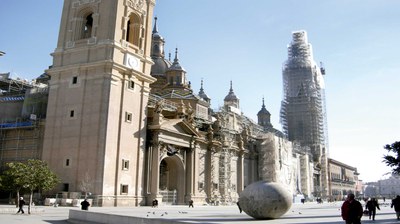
column 246, row 42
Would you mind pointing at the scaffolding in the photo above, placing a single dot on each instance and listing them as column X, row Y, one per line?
column 303, row 113
column 20, row 141
column 21, row 126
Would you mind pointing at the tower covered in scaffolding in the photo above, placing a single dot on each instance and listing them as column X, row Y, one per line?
column 303, row 115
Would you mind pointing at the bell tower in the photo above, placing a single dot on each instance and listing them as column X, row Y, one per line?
column 99, row 88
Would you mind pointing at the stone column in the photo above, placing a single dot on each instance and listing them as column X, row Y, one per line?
column 240, row 172
column 208, row 175
column 155, row 173
column 189, row 173
column 196, row 177
column 215, row 193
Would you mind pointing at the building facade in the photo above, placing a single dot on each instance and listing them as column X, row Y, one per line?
column 387, row 188
column 98, row 92
column 124, row 125
column 303, row 115
column 343, row 179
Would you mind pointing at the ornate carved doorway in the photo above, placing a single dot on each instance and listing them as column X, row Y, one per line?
column 172, row 179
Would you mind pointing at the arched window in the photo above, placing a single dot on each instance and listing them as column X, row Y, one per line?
column 84, row 24
column 87, row 27
column 133, row 30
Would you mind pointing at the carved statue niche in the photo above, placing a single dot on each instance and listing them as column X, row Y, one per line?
column 217, row 123
column 240, row 141
column 181, row 110
column 171, row 150
column 245, row 134
column 158, row 117
column 210, row 133
column 189, row 114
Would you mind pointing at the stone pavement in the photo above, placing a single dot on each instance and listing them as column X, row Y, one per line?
column 299, row 213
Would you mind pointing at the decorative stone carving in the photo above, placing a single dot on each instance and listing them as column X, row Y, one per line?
column 264, row 200
column 190, row 114
column 136, row 4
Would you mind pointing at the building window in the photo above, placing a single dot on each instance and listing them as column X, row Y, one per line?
column 128, row 117
column 71, row 113
column 125, row 164
column 124, row 189
column 84, row 24
column 75, row 80
column 65, row 187
column 131, row 84
column 87, row 28
column 67, row 162
column 133, row 30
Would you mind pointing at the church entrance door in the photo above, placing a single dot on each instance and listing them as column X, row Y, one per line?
column 172, row 179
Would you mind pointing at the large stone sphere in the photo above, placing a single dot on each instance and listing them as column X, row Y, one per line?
column 265, row 200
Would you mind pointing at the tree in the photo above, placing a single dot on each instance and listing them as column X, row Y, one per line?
column 392, row 159
column 39, row 177
column 32, row 175
column 13, row 178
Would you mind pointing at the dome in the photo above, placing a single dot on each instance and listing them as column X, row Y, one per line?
column 157, row 36
column 263, row 109
column 175, row 65
column 160, row 66
column 231, row 95
column 202, row 94
column 155, row 33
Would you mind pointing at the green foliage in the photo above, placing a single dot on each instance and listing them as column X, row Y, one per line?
column 32, row 175
column 13, row 177
column 39, row 177
column 392, row 159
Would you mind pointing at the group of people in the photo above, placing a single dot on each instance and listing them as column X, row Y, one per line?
column 352, row 210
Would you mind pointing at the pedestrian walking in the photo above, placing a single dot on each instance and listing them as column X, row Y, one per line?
column 21, row 204
column 191, row 203
column 396, row 205
column 352, row 210
column 155, row 203
column 371, row 206
column 85, row 205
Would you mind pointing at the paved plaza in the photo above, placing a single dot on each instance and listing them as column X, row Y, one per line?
column 299, row 213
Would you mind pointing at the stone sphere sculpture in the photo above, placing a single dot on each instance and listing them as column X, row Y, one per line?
column 265, row 200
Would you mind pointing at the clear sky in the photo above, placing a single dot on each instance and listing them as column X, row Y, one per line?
column 246, row 42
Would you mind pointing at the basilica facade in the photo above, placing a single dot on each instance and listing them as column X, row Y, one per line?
column 124, row 122
column 124, row 125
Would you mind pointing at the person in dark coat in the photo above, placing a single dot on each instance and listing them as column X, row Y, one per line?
column 21, row 204
column 371, row 206
column 155, row 203
column 352, row 210
column 191, row 203
column 85, row 205
column 396, row 205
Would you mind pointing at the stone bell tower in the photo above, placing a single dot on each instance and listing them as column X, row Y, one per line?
column 96, row 119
